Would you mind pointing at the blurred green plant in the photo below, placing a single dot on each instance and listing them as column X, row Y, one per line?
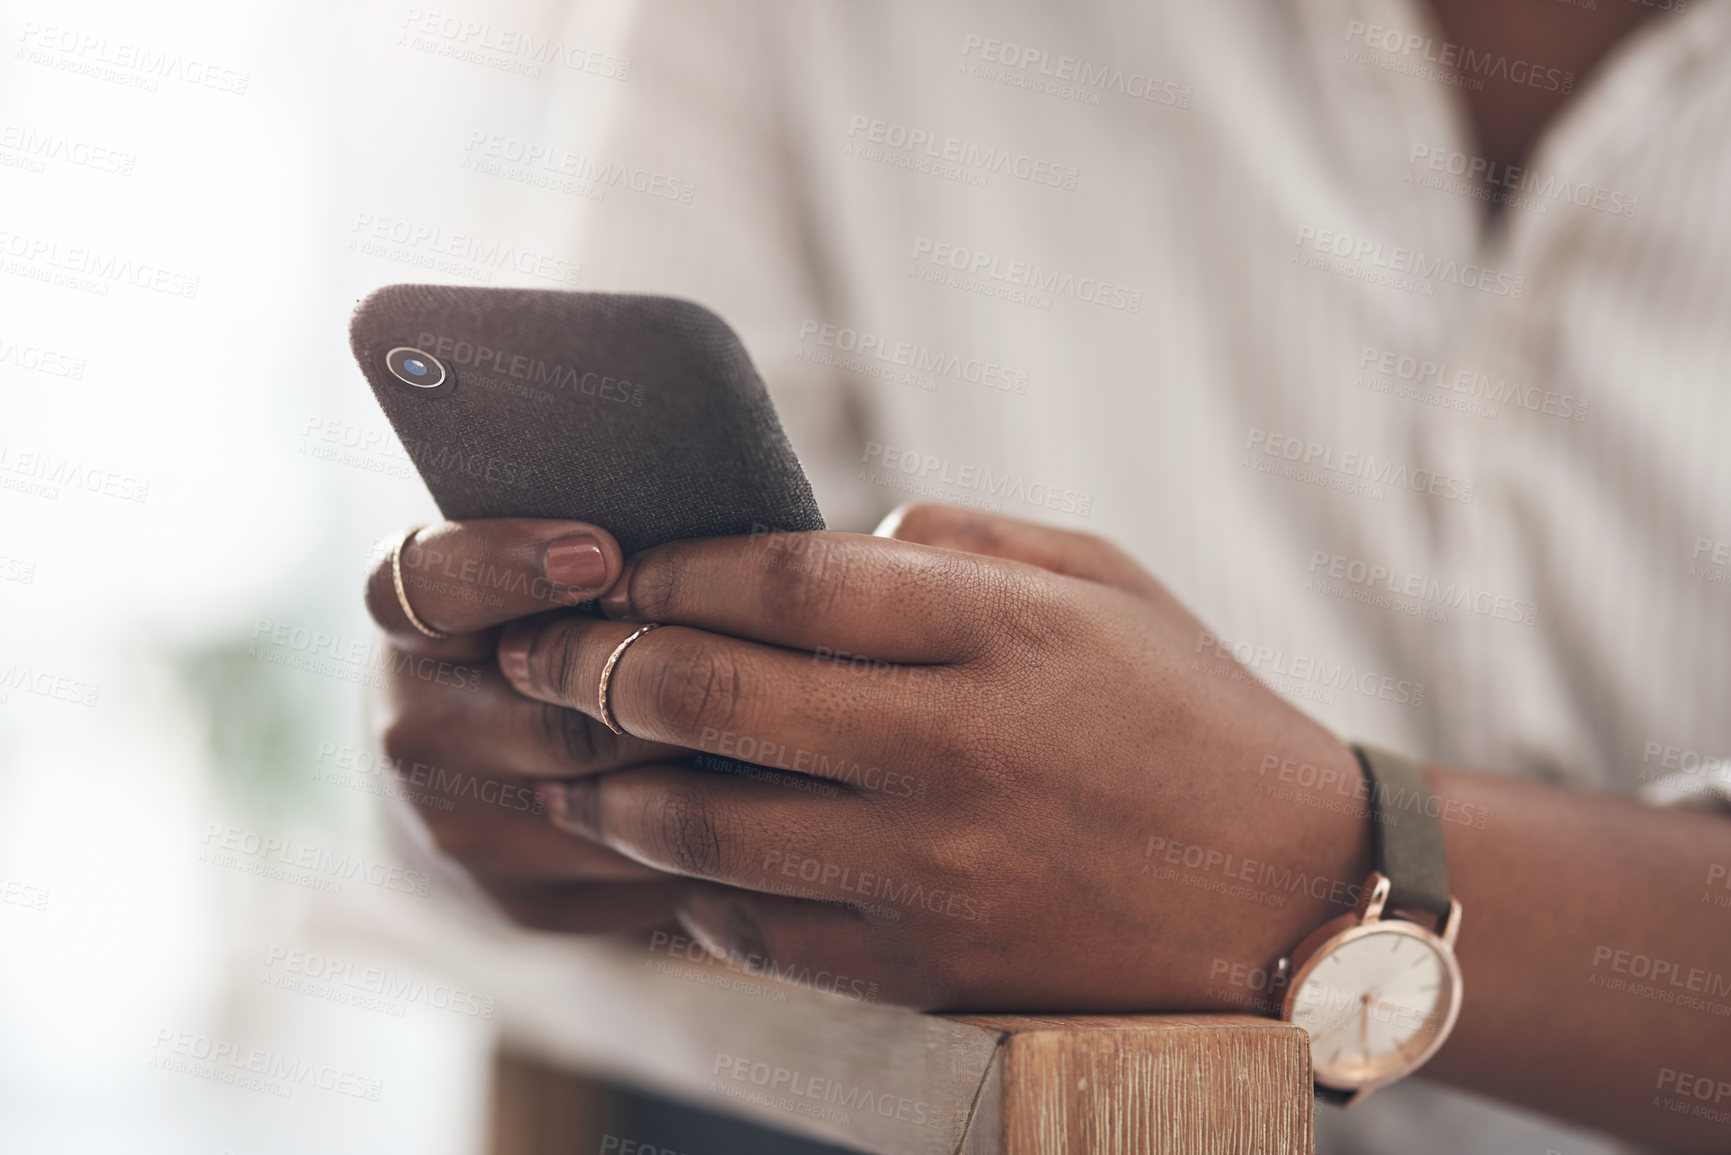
column 263, row 726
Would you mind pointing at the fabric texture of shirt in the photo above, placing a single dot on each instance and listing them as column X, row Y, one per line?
column 1213, row 281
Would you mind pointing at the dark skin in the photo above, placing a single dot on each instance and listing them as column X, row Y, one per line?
column 1508, row 119
column 1047, row 710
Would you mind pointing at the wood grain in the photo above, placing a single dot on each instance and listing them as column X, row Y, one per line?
column 1198, row 1085
column 1095, row 1085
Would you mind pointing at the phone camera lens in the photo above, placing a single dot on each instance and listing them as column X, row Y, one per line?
column 419, row 370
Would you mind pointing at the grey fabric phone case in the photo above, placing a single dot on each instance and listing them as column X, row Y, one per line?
column 640, row 414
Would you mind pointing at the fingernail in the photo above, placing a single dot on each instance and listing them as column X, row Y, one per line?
column 616, row 602
column 552, row 796
column 576, row 561
column 514, row 651
column 571, row 806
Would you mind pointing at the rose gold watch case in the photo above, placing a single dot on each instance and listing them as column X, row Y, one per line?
column 1363, row 924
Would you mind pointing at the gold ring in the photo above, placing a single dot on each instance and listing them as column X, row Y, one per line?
column 607, row 675
column 403, row 594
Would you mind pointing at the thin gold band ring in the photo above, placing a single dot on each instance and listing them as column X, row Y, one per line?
column 607, row 675
column 402, row 593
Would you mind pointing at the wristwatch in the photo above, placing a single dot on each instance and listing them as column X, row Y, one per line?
column 1379, row 989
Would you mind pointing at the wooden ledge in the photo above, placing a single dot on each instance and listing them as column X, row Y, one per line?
column 1116, row 1085
column 879, row 1079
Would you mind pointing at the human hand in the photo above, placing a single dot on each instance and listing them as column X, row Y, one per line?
column 469, row 749
column 1009, row 732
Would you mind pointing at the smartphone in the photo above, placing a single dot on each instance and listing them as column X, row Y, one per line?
column 640, row 414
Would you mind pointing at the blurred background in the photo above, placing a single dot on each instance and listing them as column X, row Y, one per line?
column 207, row 945
column 211, row 938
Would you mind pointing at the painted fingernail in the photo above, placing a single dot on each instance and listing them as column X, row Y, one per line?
column 616, row 602
column 514, row 651
column 576, row 561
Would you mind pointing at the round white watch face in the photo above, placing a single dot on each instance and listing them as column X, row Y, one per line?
column 1377, row 1000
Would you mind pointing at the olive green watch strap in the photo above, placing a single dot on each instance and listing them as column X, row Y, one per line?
column 1407, row 818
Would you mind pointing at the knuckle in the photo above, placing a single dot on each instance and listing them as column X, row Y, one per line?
column 657, row 585
column 574, row 736
column 962, row 856
column 687, row 831
column 563, row 649
column 697, row 686
column 1022, row 607
column 815, row 584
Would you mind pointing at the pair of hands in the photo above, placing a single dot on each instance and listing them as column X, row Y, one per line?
column 985, row 724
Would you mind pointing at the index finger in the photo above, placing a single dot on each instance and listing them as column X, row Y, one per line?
column 839, row 592
column 462, row 578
